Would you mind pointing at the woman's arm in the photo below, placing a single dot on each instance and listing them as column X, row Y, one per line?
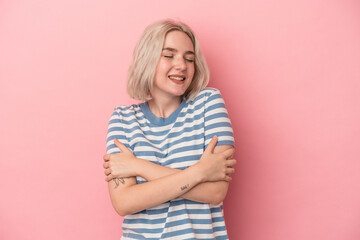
column 206, row 192
column 130, row 197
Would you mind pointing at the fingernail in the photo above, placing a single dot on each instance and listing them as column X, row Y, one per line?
column 214, row 137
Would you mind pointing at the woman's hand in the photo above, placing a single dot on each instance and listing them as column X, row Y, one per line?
column 120, row 165
column 216, row 166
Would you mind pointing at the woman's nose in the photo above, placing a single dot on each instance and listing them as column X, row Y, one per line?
column 180, row 63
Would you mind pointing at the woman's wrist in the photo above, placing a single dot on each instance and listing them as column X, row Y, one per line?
column 197, row 169
column 139, row 165
column 143, row 167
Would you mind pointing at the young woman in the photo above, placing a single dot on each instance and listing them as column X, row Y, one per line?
column 169, row 159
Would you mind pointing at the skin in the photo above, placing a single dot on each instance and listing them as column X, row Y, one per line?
column 176, row 60
column 206, row 181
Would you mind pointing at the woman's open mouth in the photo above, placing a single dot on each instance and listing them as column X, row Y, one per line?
column 178, row 79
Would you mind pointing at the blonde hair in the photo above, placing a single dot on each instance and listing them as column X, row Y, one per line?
column 147, row 54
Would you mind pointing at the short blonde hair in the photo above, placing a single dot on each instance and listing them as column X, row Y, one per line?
column 147, row 54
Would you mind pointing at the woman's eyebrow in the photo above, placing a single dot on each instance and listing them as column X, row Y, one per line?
column 174, row 50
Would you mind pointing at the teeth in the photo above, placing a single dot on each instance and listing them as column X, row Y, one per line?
column 177, row 78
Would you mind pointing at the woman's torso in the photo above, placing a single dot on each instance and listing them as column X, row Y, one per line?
column 176, row 142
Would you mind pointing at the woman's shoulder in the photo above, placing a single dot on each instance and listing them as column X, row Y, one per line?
column 126, row 111
column 209, row 90
column 205, row 93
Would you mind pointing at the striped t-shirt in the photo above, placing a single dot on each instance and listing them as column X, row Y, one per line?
column 177, row 141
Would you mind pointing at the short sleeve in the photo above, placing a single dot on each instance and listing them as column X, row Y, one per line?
column 115, row 130
column 217, row 121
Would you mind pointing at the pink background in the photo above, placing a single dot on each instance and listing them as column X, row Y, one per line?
column 289, row 72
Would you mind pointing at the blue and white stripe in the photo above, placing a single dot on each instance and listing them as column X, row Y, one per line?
column 176, row 142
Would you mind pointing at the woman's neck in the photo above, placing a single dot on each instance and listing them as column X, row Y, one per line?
column 164, row 107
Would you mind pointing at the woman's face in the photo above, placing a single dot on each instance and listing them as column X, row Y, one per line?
column 176, row 67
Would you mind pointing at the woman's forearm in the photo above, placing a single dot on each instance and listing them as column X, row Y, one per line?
column 206, row 192
column 215, row 165
column 134, row 198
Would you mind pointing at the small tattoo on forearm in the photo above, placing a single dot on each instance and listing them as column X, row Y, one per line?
column 184, row 187
column 117, row 181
